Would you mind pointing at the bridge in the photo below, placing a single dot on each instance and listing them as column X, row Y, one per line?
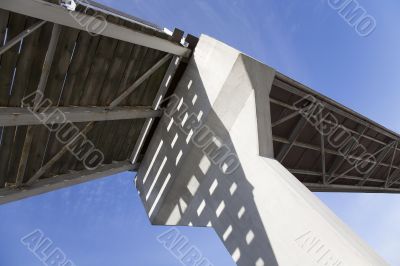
column 217, row 138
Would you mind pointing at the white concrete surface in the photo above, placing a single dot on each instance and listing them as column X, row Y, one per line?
column 261, row 212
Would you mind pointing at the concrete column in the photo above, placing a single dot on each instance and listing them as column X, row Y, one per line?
column 210, row 163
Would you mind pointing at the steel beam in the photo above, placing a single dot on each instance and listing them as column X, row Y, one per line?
column 56, row 157
column 282, row 104
column 138, row 82
column 293, row 137
column 286, row 118
column 286, row 83
column 62, row 181
column 323, row 153
column 348, row 188
column 173, row 67
column 10, row 116
column 290, row 107
column 393, row 178
column 382, row 155
column 90, row 125
column 92, row 4
column 56, row 14
column 391, row 165
column 318, row 148
column 349, row 177
column 48, row 61
column 340, row 160
column 21, row 36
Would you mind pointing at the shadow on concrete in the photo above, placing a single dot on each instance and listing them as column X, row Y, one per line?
column 180, row 183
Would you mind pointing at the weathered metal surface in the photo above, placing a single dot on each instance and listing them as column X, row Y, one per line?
column 87, row 73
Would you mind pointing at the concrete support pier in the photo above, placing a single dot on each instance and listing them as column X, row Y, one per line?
column 211, row 163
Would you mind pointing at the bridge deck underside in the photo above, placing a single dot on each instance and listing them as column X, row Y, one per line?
column 86, row 71
column 332, row 161
column 92, row 71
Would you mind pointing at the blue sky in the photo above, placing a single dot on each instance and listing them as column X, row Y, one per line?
column 101, row 223
column 305, row 40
